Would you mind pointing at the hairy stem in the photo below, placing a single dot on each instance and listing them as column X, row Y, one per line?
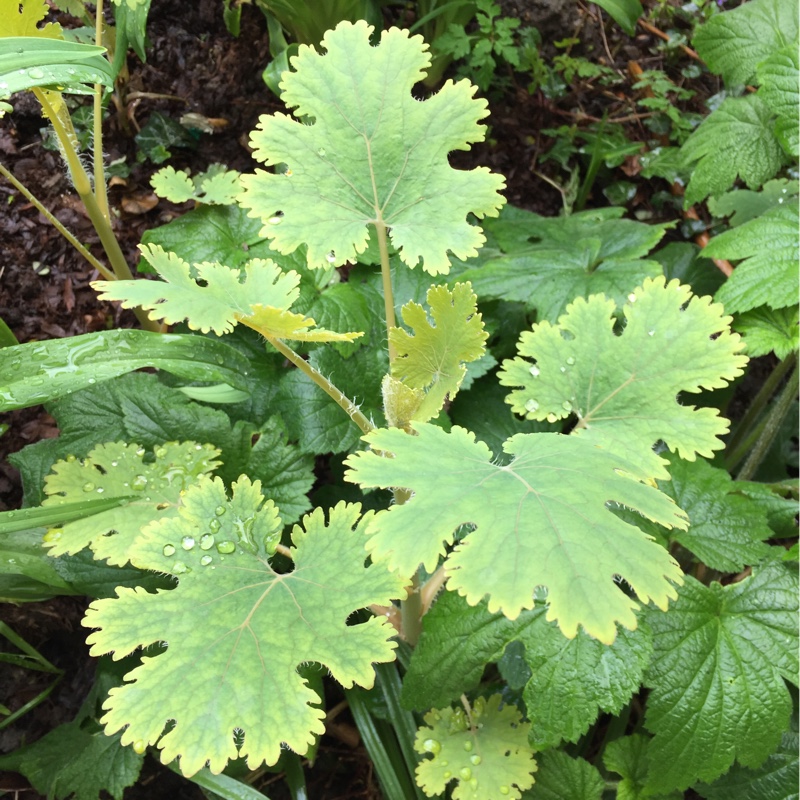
column 431, row 588
column 56, row 223
column 771, row 428
column 338, row 397
column 97, row 146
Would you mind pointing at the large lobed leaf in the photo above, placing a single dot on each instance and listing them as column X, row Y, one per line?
column 717, row 676
column 779, row 75
column 214, row 297
column 543, row 520
column 365, row 150
column 236, row 631
column 624, row 388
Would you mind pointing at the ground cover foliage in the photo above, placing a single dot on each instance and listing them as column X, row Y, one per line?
column 470, row 466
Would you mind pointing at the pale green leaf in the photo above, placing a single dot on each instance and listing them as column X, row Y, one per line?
column 119, row 470
column 629, row 757
column 623, row 12
column 547, row 262
column 38, row 372
column 259, row 295
column 368, row 151
column 717, row 676
column 568, row 680
column 735, row 42
column 236, row 632
column 22, row 19
column 768, row 273
column 767, row 330
column 543, row 520
column 73, row 761
column 561, row 777
column 735, row 140
column 623, row 389
column 489, row 759
column 174, row 185
column 727, row 530
column 776, row 779
column 432, row 357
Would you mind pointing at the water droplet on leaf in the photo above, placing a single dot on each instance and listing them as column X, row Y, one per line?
column 89, row 487
column 566, row 405
column 432, row 746
column 53, row 535
column 552, row 418
column 468, row 746
column 219, row 510
column 475, row 760
column 531, row 406
column 139, row 746
column 570, row 362
column 226, row 547
column 331, row 257
column 138, row 483
column 214, row 525
column 206, row 541
column 205, row 561
column 465, row 773
column 535, row 372
column 169, row 550
column 179, row 568
column 187, row 543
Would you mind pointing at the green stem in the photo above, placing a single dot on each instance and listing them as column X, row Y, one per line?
column 411, row 613
column 83, row 187
column 340, row 399
column 56, row 223
column 771, row 428
column 742, row 440
column 388, row 295
column 97, row 145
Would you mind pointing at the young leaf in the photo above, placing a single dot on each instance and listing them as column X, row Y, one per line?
column 175, row 185
column 547, row 262
column 735, row 42
column 779, row 75
column 570, row 681
column 22, row 19
column 629, row 757
column 768, row 273
column 74, row 761
column 543, row 520
column 237, row 634
column 561, row 777
column 367, row 152
column 726, row 530
column 717, row 677
column 735, row 140
column 769, row 331
column 432, row 358
column 624, row 388
column 488, row 759
column 119, row 470
column 214, row 186
column 623, row 12
column 38, row 372
column 259, row 295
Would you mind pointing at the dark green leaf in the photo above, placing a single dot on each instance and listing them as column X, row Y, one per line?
column 560, row 777
column 623, row 12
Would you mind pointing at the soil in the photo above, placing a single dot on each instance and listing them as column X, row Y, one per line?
column 194, row 65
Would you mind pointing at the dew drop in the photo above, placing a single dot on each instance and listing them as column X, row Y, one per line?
column 465, row 773
column 631, row 298
column 331, row 257
column 169, row 550
column 447, row 775
column 432, row 746
column 53, row 535
column 36, row 73
column 552, row 418
column 214, row 525
column 187, row 543
column 563, row 369
column 504, row 790
column 205, row 561
column 468, row 746
column 475, row 760
column 206, row 541
column 321, row 152
column 89, row 487
column 535, row 372
column 179, row 568
column 566, row 405
column 140, row 452
column 473, row 784
column 160, row 452
column 138, row 483
column 226, row 547
column 100, row 490
column 139, row 746
column 276, row 219
column 71, row 459
column 570, row 362
column 219, row 510
column 651, row 333
column 531, row 406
